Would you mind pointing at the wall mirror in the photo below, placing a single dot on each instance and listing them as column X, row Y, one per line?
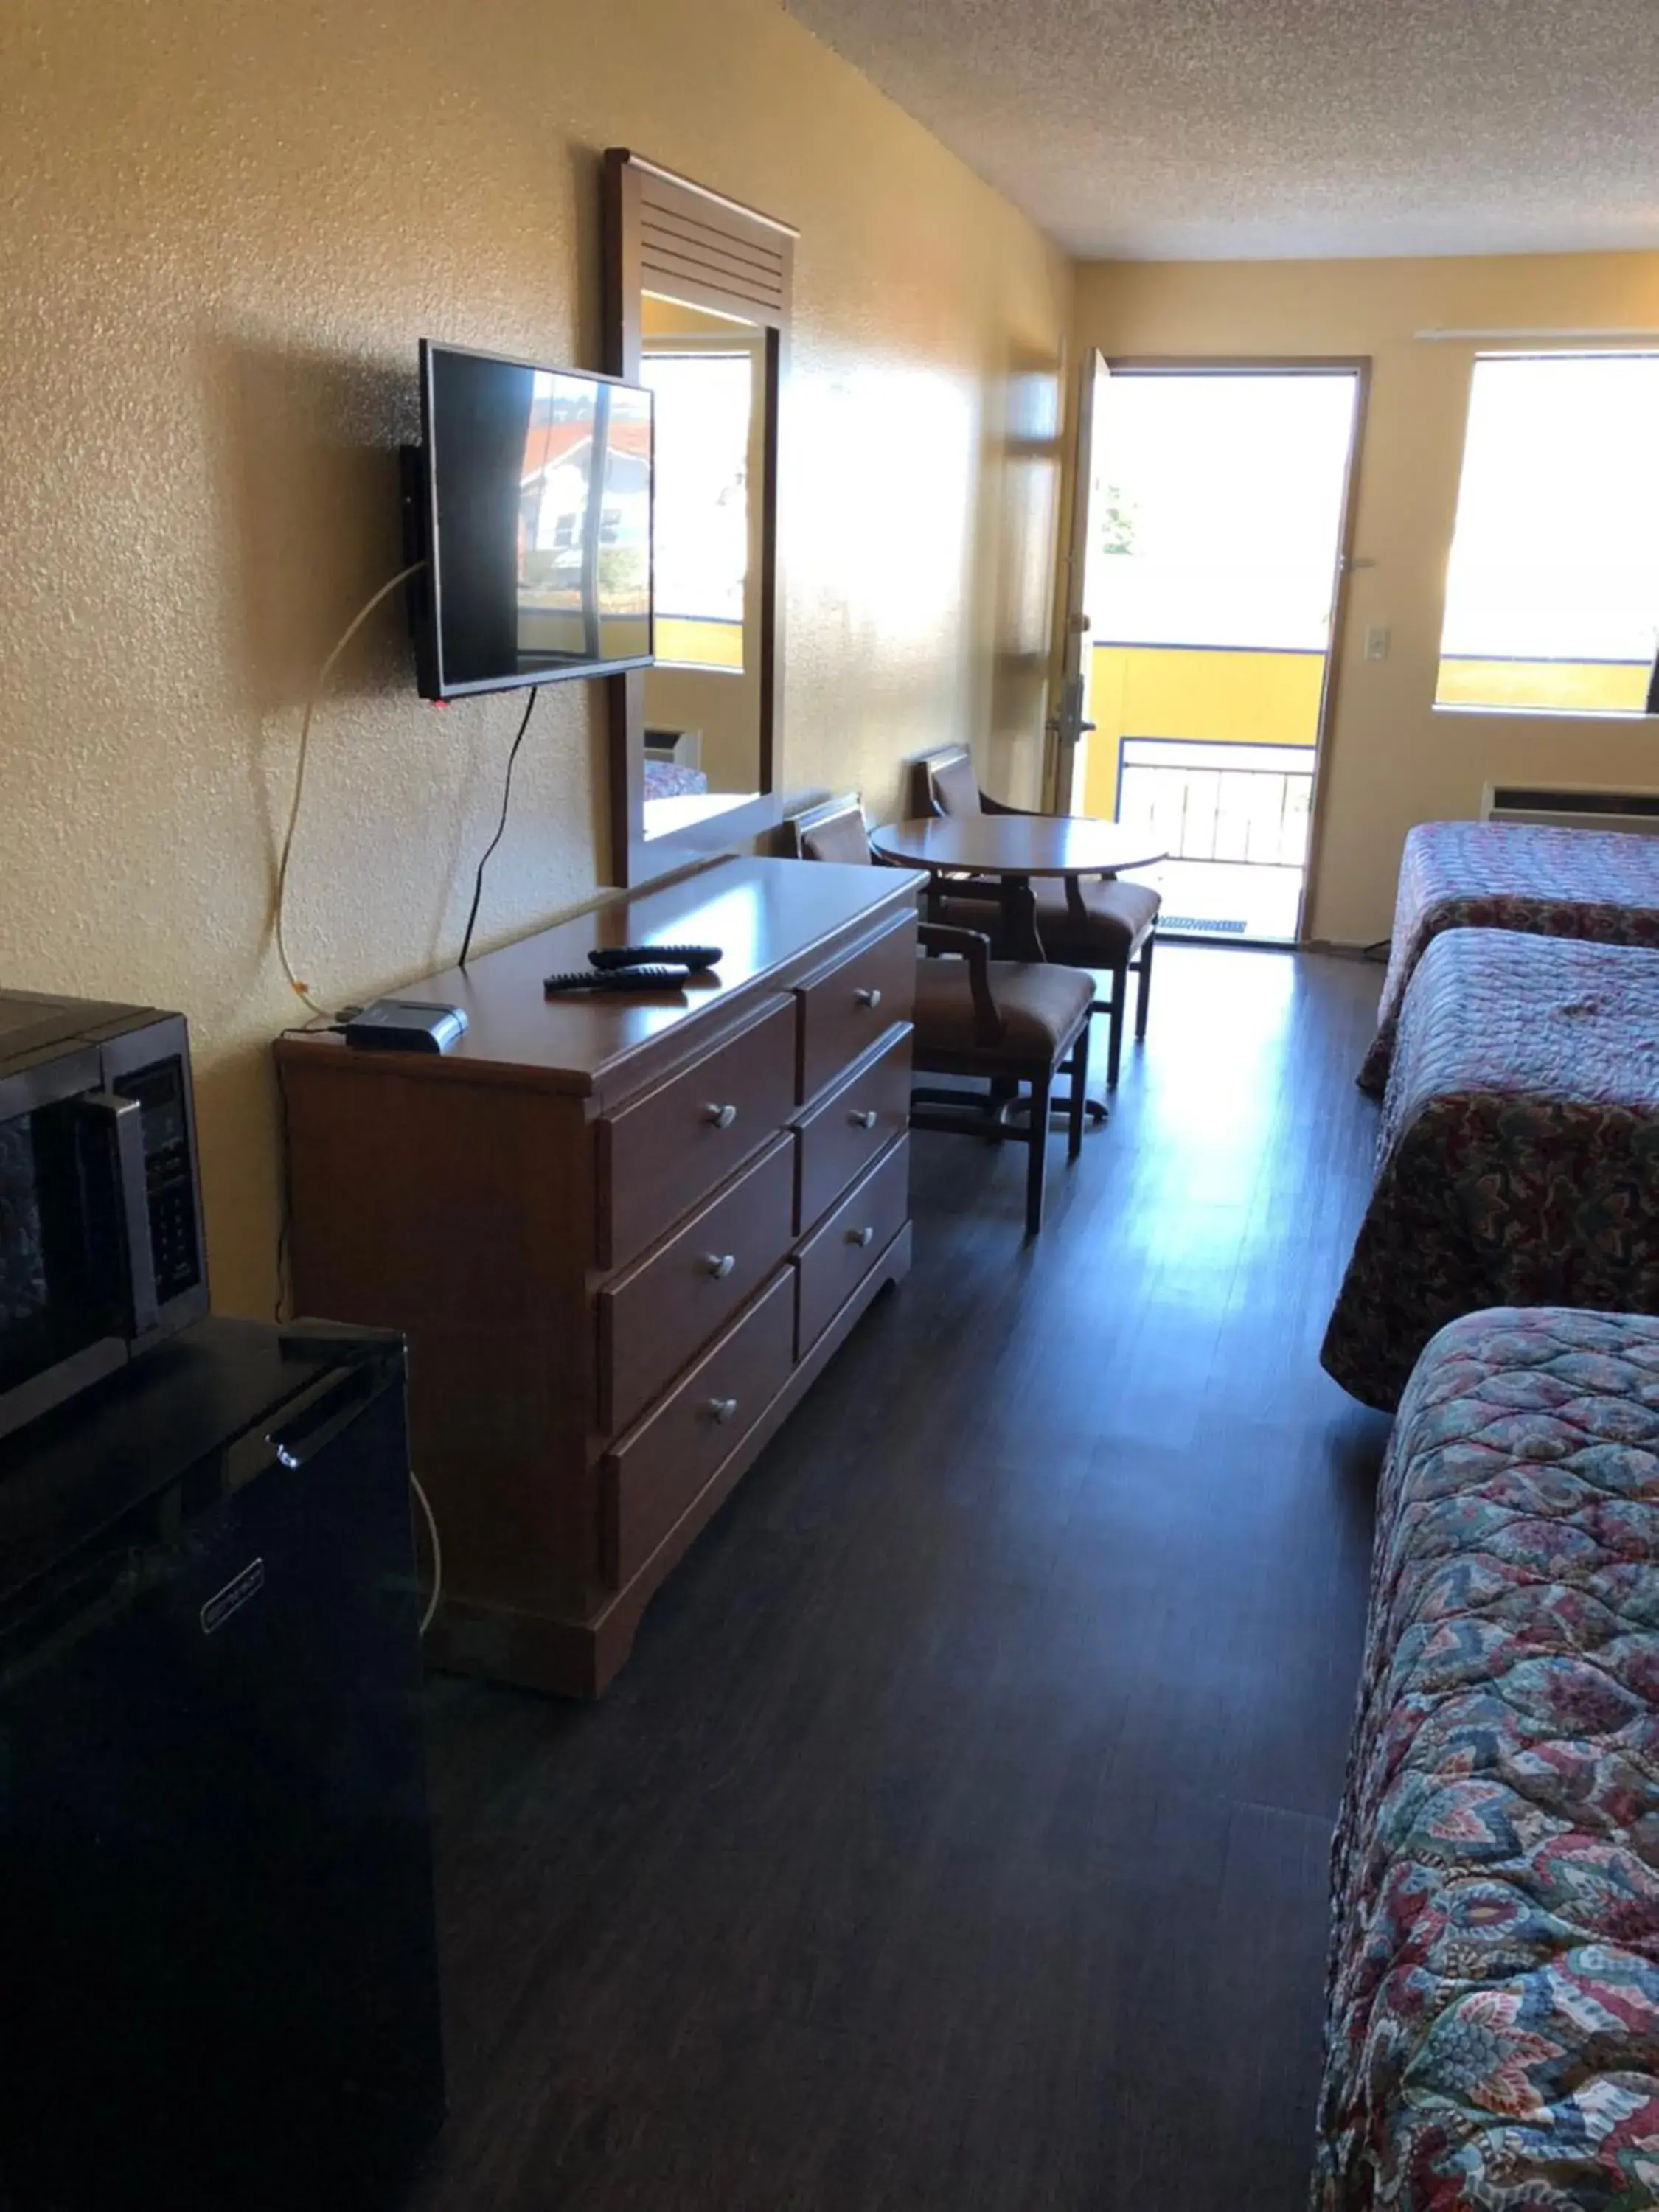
column 697, row 308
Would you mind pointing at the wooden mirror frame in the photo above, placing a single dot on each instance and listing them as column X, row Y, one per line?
column 665, row 234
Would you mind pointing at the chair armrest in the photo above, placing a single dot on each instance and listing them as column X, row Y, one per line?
column 974, row 946
column 947, row 937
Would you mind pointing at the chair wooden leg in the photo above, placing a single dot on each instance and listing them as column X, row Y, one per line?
column 1120, row 1007
column 1144, row 996
column 1079, row 1067
column 1037, row 1139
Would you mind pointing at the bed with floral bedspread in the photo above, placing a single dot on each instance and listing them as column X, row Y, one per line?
column 667, row 779
column 1492, row 2007
column 1511, row 875
column 1518, row 1155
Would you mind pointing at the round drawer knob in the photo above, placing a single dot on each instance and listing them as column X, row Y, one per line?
column 865, row 1120
column 861, row 1237
column 721, row 1116
column 721, row 1409
column 867, row 995
column 720, row 1264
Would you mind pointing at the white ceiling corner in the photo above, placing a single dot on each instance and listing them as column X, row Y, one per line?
column 1191, row 130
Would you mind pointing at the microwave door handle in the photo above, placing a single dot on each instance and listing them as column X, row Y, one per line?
column 125, row 1120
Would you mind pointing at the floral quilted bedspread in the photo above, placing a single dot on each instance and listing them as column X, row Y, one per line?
column 1511, row 875
column 1492, row 2008
column 1518, row 1156
column 670, row 780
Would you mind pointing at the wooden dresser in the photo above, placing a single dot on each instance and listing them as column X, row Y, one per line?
column 622, row 1235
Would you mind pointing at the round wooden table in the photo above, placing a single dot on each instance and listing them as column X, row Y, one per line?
column 1014, row 850
column 1019, row 844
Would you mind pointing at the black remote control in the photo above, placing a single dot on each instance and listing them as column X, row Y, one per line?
column 611, row 957
column 620, row 979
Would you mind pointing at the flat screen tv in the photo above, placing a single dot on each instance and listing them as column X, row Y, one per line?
column 529, row 501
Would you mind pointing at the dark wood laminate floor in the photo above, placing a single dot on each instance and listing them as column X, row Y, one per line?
column 955, row 1840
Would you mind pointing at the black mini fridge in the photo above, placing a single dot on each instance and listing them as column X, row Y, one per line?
column 218, row 1982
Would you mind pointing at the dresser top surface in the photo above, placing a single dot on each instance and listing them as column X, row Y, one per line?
column 767, row 917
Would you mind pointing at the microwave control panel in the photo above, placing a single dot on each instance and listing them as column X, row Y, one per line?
column 169, row 1186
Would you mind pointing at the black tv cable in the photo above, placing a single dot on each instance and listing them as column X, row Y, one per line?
column 500, row 827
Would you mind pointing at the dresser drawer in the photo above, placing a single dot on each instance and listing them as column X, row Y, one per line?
column 660, row 1314
column 836, row 1260
column 859, row 1120
column 658, row 1156
column 654, row 1474
column 844, row 1009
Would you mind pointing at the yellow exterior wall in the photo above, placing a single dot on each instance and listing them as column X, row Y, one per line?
column 1595, row 686
column 1393, row 759
column 1223, row 697
column 1191, row 691
column 1226, row 698
column 227, row 224
column 697, row 642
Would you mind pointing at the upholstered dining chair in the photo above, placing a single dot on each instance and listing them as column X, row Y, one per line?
column 1012, row 1022
column 1110, row 929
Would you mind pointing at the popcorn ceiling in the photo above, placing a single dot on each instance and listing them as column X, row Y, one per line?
column 1245, row 129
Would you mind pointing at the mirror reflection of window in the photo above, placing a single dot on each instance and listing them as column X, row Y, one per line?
column 707, row 375
column 704, row 402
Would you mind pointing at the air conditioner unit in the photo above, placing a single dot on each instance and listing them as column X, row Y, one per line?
column 1573, row 806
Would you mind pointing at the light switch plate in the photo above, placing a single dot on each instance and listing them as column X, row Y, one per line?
column 1377, row 643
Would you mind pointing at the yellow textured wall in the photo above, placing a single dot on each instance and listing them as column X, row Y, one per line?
column 227, row 225
column 1395, row 759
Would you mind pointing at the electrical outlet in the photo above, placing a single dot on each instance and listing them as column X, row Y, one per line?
column 1377, row 643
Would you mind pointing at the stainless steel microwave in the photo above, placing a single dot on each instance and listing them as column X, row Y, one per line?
column 101, row 1251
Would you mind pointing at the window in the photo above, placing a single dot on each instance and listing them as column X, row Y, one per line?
column 1219, row 509
column 703, row 412
column 1552, row 590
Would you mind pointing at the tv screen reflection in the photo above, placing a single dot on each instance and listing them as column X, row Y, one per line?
column 542, row 489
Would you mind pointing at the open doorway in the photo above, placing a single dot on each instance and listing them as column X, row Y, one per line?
column 1206, row 577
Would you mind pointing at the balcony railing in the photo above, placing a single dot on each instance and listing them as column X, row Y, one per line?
column 1247, row 804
